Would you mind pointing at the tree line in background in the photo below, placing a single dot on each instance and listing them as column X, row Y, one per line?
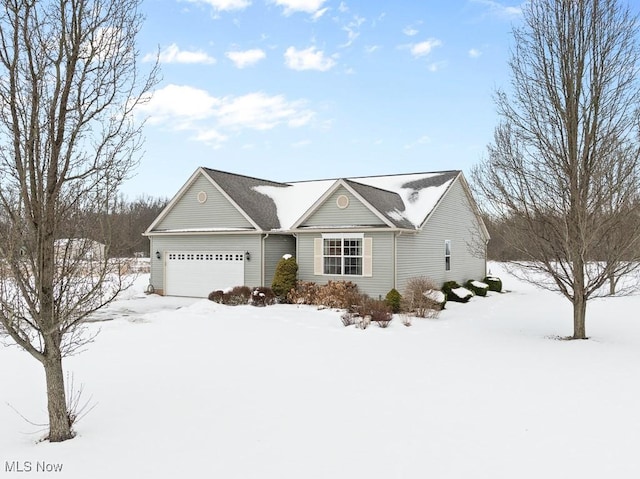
column 121, row 228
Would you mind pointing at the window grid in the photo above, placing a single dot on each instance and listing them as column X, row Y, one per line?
column 343, row 256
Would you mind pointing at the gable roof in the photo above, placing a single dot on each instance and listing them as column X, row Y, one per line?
column 402, row 201
column 243, row 190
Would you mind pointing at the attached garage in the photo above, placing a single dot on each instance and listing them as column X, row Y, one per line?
column 198, row 273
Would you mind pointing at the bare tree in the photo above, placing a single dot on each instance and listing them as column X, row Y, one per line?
column 563, row 167
column 68, row 86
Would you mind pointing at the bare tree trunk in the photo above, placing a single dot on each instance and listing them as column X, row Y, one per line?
column 59, row 421
column 579, row 317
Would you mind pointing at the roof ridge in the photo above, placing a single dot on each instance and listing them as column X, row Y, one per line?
column 354, row 178
column 264, row 180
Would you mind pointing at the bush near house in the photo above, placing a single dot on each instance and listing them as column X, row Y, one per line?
column 495, row 283
column 285, row 277
column 239, row 295
column 477, row 287
column 455, row 292
column 422, row 298
column 262, row 296
column 305, row 292
column 217, row 296
column 393, row 299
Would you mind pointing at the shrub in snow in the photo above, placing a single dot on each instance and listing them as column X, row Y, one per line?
column 495, row 283
column 285, row 276
column 406, row 319
column 393, row 300
column 477, row 287
column 216, row 296
column 363, row 322
column 457, row 293
column 348, row 318
column 422, row 298
column 376, row 310
column 339, row 294
column 237, row 296
column 305, row 292
column 262, row 296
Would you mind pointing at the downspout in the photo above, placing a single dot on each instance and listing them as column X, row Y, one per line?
column 395, row 259
column 262, row 260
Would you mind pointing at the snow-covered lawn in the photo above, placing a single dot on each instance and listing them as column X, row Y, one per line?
column 192, row 389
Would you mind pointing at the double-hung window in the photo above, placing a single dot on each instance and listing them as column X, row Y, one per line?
column 342, row 255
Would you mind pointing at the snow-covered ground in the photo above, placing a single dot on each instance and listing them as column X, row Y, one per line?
column 189, row 388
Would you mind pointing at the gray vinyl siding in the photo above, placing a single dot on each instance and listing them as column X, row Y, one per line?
column 378, row 285
column 275, row 247
column 216, row 212
column 356, row 214
column 250, row 243
column 422, row 254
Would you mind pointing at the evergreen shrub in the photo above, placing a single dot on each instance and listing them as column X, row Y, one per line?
column 455, row 292
column 393, row 300
column 285, row 277
column 495, row 283
column 477, row 287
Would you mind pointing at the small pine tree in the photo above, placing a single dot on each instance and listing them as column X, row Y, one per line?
column 393, row 300
column 284, row 279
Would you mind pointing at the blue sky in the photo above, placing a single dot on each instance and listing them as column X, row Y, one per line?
column 310, row 89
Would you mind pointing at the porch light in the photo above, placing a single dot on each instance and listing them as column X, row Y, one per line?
column 158, row 255
column 247, row 256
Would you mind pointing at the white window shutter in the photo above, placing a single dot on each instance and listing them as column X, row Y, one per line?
column 317, row 256
column 367, row 257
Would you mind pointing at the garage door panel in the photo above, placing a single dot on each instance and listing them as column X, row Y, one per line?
column 197, row 273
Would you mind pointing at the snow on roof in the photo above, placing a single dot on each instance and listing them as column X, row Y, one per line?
column 418, row 201
column 292, row 202
column 420, row 192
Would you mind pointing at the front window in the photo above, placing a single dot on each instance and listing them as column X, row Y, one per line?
column 342, row 256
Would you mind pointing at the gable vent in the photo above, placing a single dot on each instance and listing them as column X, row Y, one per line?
column 202, row 197
column 342, row 201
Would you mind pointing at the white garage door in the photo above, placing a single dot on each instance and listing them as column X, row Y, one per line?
column 197, row 273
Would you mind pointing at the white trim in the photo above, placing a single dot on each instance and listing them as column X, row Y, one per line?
column 342, row 235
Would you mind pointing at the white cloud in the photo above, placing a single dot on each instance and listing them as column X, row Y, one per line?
column 308, row 59
column 182, row 104
column 224, row 5
column 498, row 9
column 212, row 119
column 246, row 58
column 342, row 8
column 306, row 6
column 474, row 53
column 424, row 48
column 353, row 30
column 410, row 31
column 173, row 54
column 369, row 49
column 319, row 13
column 259, row 111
